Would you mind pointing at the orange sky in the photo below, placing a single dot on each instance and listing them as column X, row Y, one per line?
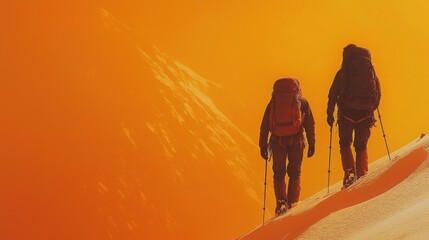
column 246, row 46
column 62, row 114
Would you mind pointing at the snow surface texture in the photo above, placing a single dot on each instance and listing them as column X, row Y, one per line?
column 391, row 202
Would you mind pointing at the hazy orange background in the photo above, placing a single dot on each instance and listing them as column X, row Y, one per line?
column 59, row 124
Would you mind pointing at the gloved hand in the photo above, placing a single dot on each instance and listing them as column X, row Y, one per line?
column 310, row 152
column 264, row 153
column 330, row 120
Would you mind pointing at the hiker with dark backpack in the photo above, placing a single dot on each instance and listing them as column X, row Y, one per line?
column 356, row 92
column 287, row 115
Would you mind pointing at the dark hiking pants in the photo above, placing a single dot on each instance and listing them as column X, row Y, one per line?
column 362, row 133
column 287, row 150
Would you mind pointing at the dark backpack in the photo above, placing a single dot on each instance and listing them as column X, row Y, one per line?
column 285, row 115
column 361, row 83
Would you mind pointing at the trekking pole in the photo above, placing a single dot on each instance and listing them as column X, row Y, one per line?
column 329, row 159
column 384, row 135
column 265, row 187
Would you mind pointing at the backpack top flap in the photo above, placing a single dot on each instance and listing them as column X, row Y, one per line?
column 352, row 51
column 285, row 114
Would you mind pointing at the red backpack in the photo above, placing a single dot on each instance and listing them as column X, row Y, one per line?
column 285, row 114
column 360, row 89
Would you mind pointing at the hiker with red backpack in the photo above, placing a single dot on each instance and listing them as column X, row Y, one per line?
column 356, row 92
column 287, row 115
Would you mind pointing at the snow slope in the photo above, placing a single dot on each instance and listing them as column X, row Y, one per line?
column 391, row 202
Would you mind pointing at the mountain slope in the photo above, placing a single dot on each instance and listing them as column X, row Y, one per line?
column 203, row 154
column 373, row 208
column 106, row 137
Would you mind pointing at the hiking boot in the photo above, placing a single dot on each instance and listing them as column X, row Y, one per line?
column 282, row 207
column 349, row 177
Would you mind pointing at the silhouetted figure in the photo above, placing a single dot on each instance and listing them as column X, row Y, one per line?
column 356, row 92
column 287, row 115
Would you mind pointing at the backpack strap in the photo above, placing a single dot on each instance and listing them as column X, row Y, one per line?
column 356, row 122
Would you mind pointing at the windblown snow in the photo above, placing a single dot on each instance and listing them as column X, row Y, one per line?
column 391, row 202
